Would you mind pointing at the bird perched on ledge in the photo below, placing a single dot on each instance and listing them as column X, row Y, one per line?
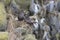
column 50, row 6
column 34, row 7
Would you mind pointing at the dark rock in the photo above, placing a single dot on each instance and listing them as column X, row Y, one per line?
column 28, row 20
column 21, row 16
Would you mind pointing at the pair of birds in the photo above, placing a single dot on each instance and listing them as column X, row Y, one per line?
column 35, row 7
column 45, row 28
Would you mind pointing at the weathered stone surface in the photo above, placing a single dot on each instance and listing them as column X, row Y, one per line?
column 23, row 33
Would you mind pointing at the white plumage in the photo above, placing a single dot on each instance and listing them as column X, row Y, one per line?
column 36, row 24
column 42, row 20
column 35, row 7
column 50, row 6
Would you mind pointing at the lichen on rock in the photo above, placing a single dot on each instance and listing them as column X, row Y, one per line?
column 3, row 35
column 3, row 20
column 30, row 37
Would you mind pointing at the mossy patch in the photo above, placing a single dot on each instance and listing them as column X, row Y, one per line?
column 23, row 3
column 3, row 20
column 3, row 35
column 58, row 36
column 30, row 37
column 7, row 1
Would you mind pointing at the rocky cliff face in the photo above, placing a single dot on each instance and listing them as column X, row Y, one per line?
column 44, row 25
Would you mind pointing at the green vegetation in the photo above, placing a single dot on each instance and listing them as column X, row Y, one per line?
column 3, row 35
column 2, row 15
column 30, row 37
